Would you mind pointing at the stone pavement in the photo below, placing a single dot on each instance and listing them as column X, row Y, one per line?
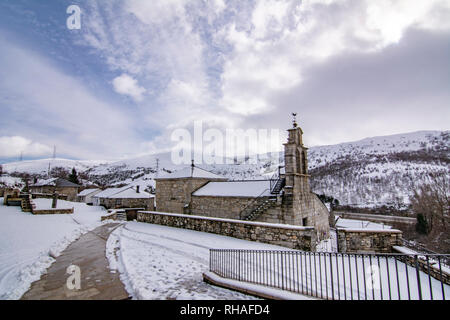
column 97, row 280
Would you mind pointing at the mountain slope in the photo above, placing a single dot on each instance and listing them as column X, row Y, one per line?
column 379, row 171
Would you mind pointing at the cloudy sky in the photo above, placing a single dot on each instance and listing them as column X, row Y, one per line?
column 137, row 70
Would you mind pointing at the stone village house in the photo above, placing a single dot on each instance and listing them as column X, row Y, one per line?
column 58, row 185
column 285, row 200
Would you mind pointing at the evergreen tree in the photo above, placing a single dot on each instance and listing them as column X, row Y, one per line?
column 73, row 177
column 422, row 224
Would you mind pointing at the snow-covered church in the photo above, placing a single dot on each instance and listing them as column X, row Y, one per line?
column 287, row 199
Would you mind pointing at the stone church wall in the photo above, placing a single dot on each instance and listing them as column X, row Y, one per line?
column 221, row 207
column 172, row 195
column 294, row 237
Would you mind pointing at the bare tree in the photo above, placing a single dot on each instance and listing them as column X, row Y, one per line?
column 431, row 203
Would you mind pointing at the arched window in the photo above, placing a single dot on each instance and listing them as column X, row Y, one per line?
column 298, row 161
column 304, row 167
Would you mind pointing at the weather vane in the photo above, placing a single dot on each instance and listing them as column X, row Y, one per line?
column 294, row 120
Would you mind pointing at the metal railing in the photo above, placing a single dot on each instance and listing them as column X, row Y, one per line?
column 338, row 276
column 276, row 181
column 253, row 205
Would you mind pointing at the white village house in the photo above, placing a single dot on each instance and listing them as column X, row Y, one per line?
column 125, row 197
column 87, row 195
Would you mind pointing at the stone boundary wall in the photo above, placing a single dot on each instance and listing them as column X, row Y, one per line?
column 294, row 237
column 53, row 211
column 376, row 218
column 48, row 196
column 431, row 268
column 368, row 240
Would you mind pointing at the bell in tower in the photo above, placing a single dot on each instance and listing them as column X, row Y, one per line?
column 295, row 151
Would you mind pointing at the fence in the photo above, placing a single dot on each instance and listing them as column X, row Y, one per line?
column 338, row 276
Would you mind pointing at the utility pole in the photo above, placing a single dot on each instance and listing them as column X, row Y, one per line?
column 157, row 167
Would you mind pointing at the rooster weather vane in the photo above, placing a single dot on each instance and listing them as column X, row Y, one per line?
column 294, row 119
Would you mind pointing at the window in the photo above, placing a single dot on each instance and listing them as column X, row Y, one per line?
column 118, row 202
column 304, row 166
column 305, row 221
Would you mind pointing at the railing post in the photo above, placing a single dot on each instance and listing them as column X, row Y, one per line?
column 282, row 273
column 210, row 259
column 331, row 273
column 442, row 281
column 429, row 277
column 419, row 287
column 240, row 270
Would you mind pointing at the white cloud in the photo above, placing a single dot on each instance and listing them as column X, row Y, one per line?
column 224, row 62
column 17, row 145
column 286, row 37
column 126, row 85
column 157, row 11
column 58, row 109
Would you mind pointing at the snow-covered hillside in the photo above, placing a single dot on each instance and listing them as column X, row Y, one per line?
column 379, row 171
column 428, row 141
column 373, row 172
column 41, row 166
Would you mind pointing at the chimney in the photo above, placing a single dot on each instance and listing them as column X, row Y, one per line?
column 137, row 189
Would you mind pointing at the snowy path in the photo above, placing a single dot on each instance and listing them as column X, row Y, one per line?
column 27, row 240
column 158, row 262
column 96, row 280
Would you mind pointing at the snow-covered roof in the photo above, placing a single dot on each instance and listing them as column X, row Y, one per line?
column 58, row 182
column 190, row 172
column 108, row 192
column 44, row 182
column 249, row 188
column 127, row 192
column 8, row 181
column 86, row 192
column 131, row 193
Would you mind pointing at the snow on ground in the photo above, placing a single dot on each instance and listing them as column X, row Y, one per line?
column 43, row 204
column 159, row 262
column 26, row 241
column 341, row 276
column 360, row 224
